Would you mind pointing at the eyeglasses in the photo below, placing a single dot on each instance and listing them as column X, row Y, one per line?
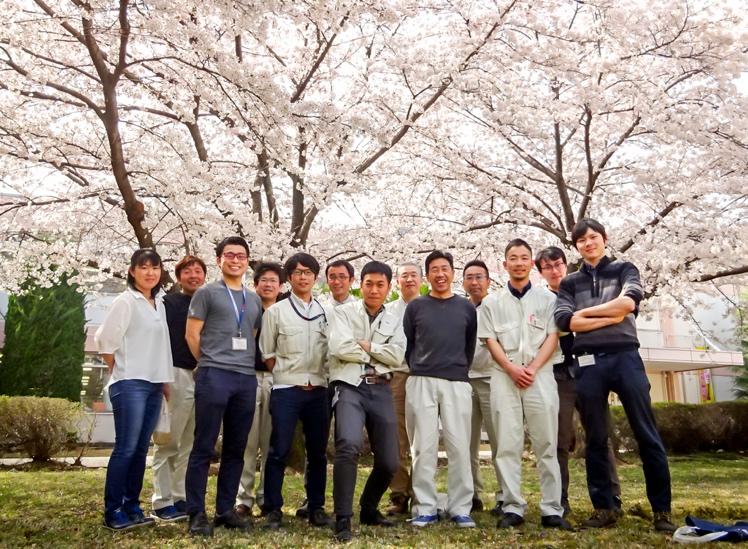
column 231, row 256
column 335, row 278
column 558, row 266
column 300, row 272
column 476, row 278
column 268, row 281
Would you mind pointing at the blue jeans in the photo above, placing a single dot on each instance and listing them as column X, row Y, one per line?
column 136, row 405
column 623, row 373
column 228, row 398
column 287, row 407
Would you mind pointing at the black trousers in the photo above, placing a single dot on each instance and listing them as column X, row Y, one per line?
column 370, row 407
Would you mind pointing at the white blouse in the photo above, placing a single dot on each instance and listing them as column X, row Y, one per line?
column 138, row 337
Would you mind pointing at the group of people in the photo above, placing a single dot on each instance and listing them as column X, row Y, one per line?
column 252, row 364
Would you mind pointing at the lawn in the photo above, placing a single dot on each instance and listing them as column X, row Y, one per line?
column 62, row 508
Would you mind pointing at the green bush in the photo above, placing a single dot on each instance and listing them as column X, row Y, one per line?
column 39, row 427
column 688, row 428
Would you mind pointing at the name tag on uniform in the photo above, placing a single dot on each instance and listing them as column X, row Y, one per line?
column 239, row 343
column 586, row 360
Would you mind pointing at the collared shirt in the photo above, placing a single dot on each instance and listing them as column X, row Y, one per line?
column 295, row 334
column 351, row 323
column 483, row 364
column 332, row 302
column 519, row 294
column 397, row 308
column 138, row 337
column 519, row 325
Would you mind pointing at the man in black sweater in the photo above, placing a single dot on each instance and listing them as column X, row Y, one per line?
column 440, row 329
column 599, row 304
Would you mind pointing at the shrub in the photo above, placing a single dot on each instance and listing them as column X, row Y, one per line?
column 39, row 427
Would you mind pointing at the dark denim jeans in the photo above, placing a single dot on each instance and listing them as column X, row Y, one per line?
column 287, row 407
column 136, row 405
column 624, row 374
column 228, row 398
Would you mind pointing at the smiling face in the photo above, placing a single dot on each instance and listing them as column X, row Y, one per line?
column 440, row 276
column 268, row 286
column 409, row 281
column 374, row 289
column 145, row 277
column 339, row 282
column 233, row 261
column 191, row 278
column 475, row 282
column 592, row 246
column 302, row 280
column 518, row 265
column 553, row 271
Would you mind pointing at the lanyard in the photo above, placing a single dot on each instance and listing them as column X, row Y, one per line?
column 239, row 315
column 308, row 319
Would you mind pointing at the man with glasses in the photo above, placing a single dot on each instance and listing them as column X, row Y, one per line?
column 223, row 320
column 551, row 262
column 268, row 278
column 475, row 282
column 294, row 347
column 339, row 275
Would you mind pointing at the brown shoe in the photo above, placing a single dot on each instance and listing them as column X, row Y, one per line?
column 600, row 519
column 398, row 505
column 244, row 511
column 663, row 522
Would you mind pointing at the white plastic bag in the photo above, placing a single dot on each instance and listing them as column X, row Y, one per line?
column 162, row 433
column 689, row 534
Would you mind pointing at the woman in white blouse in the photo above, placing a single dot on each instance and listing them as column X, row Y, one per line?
column 134, row 342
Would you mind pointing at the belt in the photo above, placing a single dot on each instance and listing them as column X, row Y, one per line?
column 309, row 387
column 376, row 379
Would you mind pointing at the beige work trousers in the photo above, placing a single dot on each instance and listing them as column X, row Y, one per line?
column 482, row 419
column 538, row 406
column 170, row 460
column 428, row 400
column 259, row 439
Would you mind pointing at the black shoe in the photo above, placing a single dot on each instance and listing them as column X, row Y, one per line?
column 318, row 517
column 510, row 520
column 274, row 519
column 601, row 518
column 555, row 521
column 497, row 511
column 477, row 505
column 374, row 518
column 199, row 525
column 663, row 522
column 244, row 511
column 303, row 511
column 343, row 530
column 231, row 519
column 399, row 505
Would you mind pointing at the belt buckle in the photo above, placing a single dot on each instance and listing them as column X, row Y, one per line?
column 370, row 380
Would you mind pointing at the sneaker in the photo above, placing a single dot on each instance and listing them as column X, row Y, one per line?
column 119, row 522
column 374, row 518
column 303, row 511
column 463, row 521
column 168, row 514
column 274, row 519
column 497, row 510
column 477, row 505
column 199, row 525
column 318, row 517
column 555, row 521
column 663, row 522
column 510, row 520
column 137, row 516
column 231, row 519
column 600, row 519
column 424, row 520
column 399, row 505
column 343, row 531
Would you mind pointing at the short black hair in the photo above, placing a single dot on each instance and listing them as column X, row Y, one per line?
column 301, row 258
column 377, row 267
column 551, row 253
column 141, row 257
column 341, row 263
column 515, row 243
column 236, row 240
column 475, row 263
column 583, row 225
column 268, row 267
column 438, row 254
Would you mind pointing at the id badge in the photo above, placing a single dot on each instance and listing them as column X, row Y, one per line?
column 586, row 360
column 239, row 343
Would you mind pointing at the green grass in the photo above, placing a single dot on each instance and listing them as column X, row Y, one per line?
column 63, row 508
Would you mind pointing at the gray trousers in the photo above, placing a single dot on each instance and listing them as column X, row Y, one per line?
column 356, row 408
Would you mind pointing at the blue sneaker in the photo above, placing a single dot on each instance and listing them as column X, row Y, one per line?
column 463, row 521
column 119, row 521
column 424, row 520
column 168, row 514
column 137, row 516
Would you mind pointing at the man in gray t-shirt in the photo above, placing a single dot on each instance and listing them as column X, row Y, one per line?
column 221, row 327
